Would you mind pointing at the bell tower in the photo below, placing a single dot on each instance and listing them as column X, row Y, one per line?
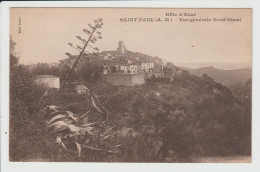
column 121, row 47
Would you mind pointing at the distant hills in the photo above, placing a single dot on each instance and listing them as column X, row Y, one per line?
column 225, row 77
column 218, row 65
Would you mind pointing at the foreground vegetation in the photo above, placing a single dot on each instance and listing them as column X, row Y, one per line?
column 163, row 121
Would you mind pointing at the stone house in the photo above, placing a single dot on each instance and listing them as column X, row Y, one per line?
column 124, row 68
column 106, row 69
column 49, row 81
column 81, row 89
column 130, row 61
column 133, row 68
column 147, row 66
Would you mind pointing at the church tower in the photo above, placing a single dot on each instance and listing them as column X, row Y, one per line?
column 121, row 47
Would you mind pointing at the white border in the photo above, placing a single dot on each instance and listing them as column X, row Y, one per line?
column 7, row 166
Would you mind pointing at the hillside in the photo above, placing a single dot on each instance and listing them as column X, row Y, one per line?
column 194, row 114
column 225, row 77
column 163, row 120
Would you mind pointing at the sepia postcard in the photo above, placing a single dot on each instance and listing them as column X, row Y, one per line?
column 130, row 85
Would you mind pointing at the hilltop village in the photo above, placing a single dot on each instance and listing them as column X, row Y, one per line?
column 124, row 67
column 119, row 67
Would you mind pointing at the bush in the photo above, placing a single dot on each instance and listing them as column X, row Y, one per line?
column 24, row 96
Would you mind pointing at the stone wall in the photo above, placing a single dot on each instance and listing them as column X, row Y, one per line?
column 138, row 79
column 159, row 74
column 162, row 74
column 124, row 79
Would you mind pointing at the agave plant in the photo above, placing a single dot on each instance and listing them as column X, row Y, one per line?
column 64, row 125
column 70, row 130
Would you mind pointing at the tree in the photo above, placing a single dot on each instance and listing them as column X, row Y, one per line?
column 24, row 95
column 207, row 78
column 13, row 58
column 90, row 72
column 45, row 69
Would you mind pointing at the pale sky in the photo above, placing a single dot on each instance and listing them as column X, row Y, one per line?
column 45, row 33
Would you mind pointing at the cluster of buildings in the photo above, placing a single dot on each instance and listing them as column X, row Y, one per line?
column 120, row 67
column 127, row 62
column 133, row 68
column 129, row 68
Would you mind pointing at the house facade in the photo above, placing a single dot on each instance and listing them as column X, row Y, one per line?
column 49, row 81
column 133, row 68
column 81, row 89
column 124, row 68
column 106, row 69
column 130, row 69
column 147, row 66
